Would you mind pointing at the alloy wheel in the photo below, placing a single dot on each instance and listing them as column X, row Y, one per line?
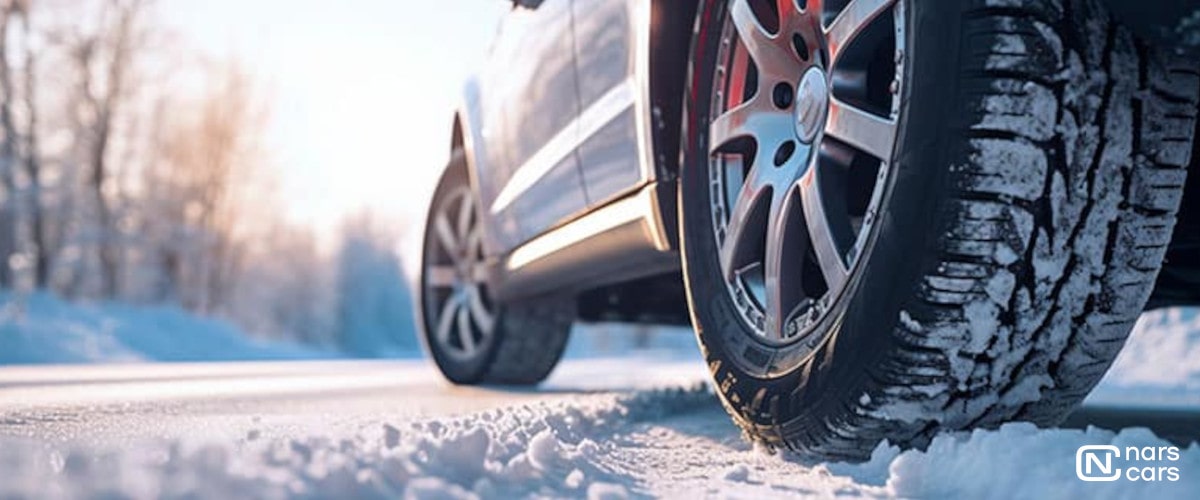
column 464, row 320
column 804, row 121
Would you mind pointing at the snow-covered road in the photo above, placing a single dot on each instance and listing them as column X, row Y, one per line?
column 627, row 427
column 107, row 404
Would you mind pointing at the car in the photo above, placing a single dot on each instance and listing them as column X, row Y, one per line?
column 884, row 219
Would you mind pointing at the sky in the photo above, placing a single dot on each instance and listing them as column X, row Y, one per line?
column 361, row 92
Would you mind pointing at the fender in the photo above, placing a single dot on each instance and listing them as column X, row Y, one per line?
column 466, row 134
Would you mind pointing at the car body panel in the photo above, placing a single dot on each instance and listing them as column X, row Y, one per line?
column 605, row 51
column 535, row 171
column 527, row 73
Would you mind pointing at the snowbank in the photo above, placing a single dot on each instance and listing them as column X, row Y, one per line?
column 1022, row 461
column 43, row 329
column 1159, row 365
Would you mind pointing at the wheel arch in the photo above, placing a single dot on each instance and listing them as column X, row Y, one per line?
column 466, row 135
column 672, row 27
column 456, row 133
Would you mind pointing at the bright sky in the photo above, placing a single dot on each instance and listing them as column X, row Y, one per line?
column 361, row 91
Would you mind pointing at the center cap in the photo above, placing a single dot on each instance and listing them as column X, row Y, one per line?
column 812, row 103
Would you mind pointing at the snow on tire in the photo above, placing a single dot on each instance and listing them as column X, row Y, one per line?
column 1035, row 183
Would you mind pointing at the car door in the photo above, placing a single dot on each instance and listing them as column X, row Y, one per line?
column 535, row 183
column 605, row 52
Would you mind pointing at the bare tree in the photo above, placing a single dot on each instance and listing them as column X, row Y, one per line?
column 209, row 160
column 116, row 182
column 102, row 60
column 8, row 152
column 31, row 153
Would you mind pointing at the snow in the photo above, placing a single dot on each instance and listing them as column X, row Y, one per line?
column 637, row 422
column 41, row 328
column 657, row 442
column 1160, row 364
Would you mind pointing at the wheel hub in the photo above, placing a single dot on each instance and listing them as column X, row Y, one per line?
column 812, row 105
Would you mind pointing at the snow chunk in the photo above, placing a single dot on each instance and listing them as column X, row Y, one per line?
column 911, row 324
column 738, row 473
column 1006, row 168
column 983, row 321
column 574, row 480
column 544, row 450
column 607, row 491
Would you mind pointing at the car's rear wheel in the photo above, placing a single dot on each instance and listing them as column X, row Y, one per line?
column 900, row 217
column 472, row 338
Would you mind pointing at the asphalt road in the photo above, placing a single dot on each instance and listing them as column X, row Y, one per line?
column 110, row 405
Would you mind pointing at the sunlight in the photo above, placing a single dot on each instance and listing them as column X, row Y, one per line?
column 361, row 93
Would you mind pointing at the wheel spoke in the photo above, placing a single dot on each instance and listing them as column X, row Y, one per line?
column 851, row 22
column 465, row 211
column 772, row 57
column 446, row 318
column 860, row 129
column 753, row 119
column 746, row 224
column 731, row 125
column 446, row 234
column 796, row 20
column 820, row 232
column 463, row 321
column 781, row 264
column 478, row 272
column 788, row 12
column 441, row 276
column 464, row 330
column 479, row 311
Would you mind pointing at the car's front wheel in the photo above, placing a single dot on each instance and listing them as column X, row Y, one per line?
column 472, row 338
column 899, row 217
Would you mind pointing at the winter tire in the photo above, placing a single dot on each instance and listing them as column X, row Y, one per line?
column 900, row 217
column 472, row 339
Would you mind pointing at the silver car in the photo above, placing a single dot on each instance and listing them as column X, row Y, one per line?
column 883, row 218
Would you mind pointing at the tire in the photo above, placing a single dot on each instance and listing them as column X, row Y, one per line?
column 510, row 344
column 1023, row 216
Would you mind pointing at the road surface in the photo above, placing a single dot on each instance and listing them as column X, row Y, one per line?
column 651, row 426
column 107, row 404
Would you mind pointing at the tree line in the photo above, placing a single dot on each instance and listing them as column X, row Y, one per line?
column 132, row 169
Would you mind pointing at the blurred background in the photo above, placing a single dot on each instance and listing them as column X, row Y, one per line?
column 190, row 180
column 264, row 163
